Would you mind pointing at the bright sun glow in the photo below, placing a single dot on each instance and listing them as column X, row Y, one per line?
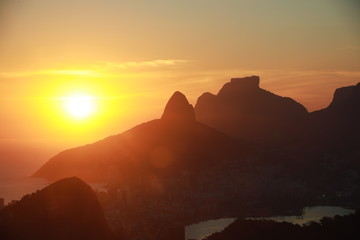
column 79, row 106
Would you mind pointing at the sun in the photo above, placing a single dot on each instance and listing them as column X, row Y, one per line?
column 79, row 106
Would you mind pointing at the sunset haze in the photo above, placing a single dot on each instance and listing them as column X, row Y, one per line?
column 130, row 56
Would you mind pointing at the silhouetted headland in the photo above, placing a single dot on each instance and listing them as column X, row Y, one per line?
column 67, row 209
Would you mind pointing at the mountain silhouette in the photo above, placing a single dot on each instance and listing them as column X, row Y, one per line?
column 336, row 128
column 243, row 110
column 67, row 209
column 163, row 147
column 178, row 110
column 197, row 152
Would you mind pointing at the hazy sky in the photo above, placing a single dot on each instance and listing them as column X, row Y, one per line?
column 132, row 55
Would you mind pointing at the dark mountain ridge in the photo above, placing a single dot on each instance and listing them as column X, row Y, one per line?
column 243, row 110
column 320, row 149
column 338, row 124
column 333, row 135
column 339, row 227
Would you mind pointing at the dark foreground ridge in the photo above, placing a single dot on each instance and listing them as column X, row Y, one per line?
column 67, row 209
column 340, row 227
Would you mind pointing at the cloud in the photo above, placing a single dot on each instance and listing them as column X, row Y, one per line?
column 146, row 64
column 76, row 72
column 69, row 72
column 103, row 69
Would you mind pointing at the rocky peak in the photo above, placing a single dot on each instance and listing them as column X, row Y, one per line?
column 178, row 109
column 237, row 85
column 346, row 96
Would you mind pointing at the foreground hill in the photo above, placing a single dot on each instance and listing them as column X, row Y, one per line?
column 67, row 209
column 164, row 147
column 345, row 227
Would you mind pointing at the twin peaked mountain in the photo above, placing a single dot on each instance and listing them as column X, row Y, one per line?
column 163, row 148
column 191, row 139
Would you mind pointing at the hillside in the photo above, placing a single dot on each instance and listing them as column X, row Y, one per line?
column 67, row 209
column 163, row 147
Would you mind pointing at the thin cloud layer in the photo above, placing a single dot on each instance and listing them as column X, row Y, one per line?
column 146, row 64
column 100, row 70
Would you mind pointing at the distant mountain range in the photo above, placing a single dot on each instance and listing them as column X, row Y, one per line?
column 243, row 110
column 67, row 209
column 189, row 139
column 242, row 152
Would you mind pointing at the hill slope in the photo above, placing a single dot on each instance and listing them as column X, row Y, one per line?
column 67, row 209
column 164, row 147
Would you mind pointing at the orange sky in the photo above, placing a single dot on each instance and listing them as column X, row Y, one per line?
column 132, row 55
